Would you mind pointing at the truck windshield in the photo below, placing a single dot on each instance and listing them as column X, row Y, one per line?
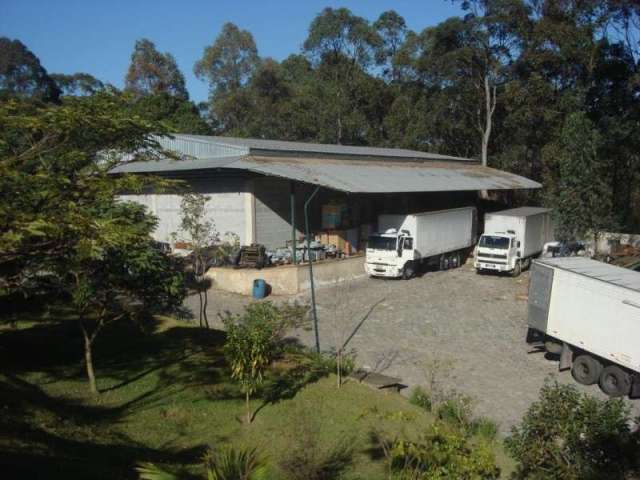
column 381, row 243
column 489, row 241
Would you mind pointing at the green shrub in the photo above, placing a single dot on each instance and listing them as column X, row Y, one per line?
column 420, row 398
column 235, row 464
column 441, row 453
column 568, row 435
column 485, row 427
column 456, row 411
column 227, row 464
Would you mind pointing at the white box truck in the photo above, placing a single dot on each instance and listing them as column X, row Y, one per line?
column 405, row 243
column 512, row 238
column 588, row 312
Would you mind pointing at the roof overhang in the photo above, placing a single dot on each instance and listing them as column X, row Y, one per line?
column 353, row 176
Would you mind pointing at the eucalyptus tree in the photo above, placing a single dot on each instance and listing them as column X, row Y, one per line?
column 152, row 72
column 342, row 46
column 77, row 84
column 21, row 73
column 227, row 65
column 392, row 30
column 577, row 182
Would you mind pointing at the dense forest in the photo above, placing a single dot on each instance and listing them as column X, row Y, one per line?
column 546, row 89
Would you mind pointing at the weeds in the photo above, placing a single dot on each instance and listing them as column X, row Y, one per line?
column 308, row 461
column 421, row 398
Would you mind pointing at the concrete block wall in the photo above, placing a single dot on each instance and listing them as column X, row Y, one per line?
column 226, row 207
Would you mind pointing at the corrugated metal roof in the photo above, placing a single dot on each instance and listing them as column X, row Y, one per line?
column 622, row 277
column 259, row 146
column 520, row 212
column 354, row 176
column 368, row 171
column 357, row 176
column 200, row 146
column 169, row 165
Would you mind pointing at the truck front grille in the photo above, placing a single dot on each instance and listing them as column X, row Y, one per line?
column 492, row 255
column 495, row 262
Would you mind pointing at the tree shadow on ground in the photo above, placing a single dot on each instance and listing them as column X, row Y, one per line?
column 46, row 437
column 72, row 435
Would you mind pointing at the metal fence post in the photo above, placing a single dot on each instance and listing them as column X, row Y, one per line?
column 313, row 293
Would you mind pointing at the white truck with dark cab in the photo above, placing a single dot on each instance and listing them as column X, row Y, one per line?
column 588, row 312
column 405, row 243
column 512, row 238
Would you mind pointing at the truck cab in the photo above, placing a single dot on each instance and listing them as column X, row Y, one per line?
column 388, row 253
column 498, row 252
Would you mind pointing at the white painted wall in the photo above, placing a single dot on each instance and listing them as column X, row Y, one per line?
column 226, row 208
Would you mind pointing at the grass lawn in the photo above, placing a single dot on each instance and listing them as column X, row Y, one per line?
column 166, row 398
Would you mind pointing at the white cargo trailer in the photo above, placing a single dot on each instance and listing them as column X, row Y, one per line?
column 407, row 242
column 512, row 238
column 589, row 313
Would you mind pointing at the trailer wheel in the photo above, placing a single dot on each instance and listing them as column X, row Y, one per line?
column 615, row 381
column 517, row 269
column 455, row 259
column 409, row 271
column 555, row 348
column 586, row 369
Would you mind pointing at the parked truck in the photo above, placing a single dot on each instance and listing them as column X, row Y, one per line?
column 512, row 238
column 405, row 243
column 588, row 313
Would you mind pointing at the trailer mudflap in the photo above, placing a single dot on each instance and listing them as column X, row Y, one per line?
column 635, row 386
column 566, row 357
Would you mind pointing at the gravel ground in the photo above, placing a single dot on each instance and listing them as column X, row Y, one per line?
column 473, row 326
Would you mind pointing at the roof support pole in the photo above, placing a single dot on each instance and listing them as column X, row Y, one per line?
column 313, row 292
column 293, row 221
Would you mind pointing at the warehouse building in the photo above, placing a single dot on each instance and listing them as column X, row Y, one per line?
column 258, row 187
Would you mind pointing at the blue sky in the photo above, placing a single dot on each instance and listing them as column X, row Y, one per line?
column 97, row 37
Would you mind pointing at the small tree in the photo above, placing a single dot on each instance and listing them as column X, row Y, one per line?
column 116, row 273
column 343, row 324
column 201, row 233
column 251, row 346
column 568, row 435
column 61, row 224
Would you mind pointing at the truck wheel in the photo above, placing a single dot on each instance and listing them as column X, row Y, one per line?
column 586, row 369
column 455, row 259
column 409, row 271
column 615, row 381
column 516, row 270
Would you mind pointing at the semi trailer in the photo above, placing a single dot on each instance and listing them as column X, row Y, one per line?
column 512, row 238
column 406, row 243
column 588, row 313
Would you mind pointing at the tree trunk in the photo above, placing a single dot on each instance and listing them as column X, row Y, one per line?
column 339, row 367
column 490, row 106
column 88, row 360
column 206, row 303
column 200, row 304
column 248, row 407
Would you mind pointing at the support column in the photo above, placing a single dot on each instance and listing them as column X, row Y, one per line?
column 249, row 213
column 293, row 220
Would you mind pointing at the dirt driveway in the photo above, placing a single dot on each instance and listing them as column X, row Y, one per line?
column 474, row 325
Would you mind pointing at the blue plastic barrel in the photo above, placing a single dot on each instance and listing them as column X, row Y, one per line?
column 259, row 288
